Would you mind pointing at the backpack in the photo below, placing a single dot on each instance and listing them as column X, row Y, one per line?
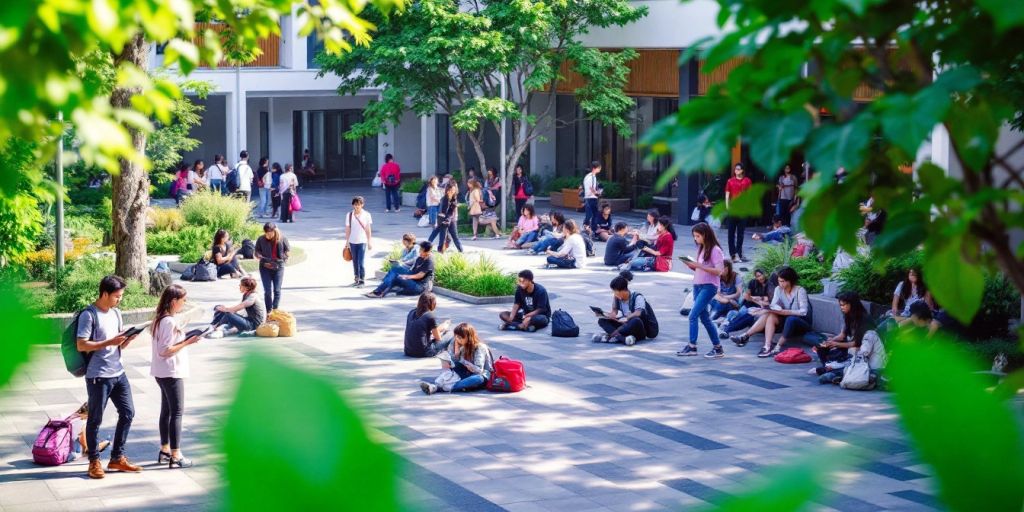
column 792, row 356
column 189, row 274
column 590, row 247
column 563, row 326
column 204, row 271
column 233, row 180
column 54, row 444
column 391, row 180
column 509, row 376
column 650, row 321
column 421, row 198
column 77, row 362
column 527, row 187
column 489, row 199
column 248, row 249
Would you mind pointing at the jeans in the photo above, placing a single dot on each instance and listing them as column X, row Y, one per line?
column 408, row 286
column 719, row 309
column 742, row 320
column 432, row 214
column 782, row 210
column 235, row 320
column 264, row 201
column 737, row 228
column 703, row 294
column 548, row 242
column 286, row 207
column 391, row 198
column 774, row 236
column 445, row 231
column 436, row 347
column 172, row 407
column 469, row 381
column 358, row 255
column 181, row 196
column 389, row 279
column 795, row 327
column 632, row 327
column 590, row 213
column 230, row 267
column 272, row 286
column 642, row 263
column 537, row 321
column 119, row 391
column 217, row 186
column 527, row 237
column 566, row 262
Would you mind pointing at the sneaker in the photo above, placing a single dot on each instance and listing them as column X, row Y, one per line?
column 387, row 211
column 123, row 464
column 716, row 352
column 688, row 350
column 428, row 388
column 599, row 338
column 497, row 236
column 740, row 340
column 96, row 469
column 775, row 350
column 765, row 352
column 247, row 334
column 630, row 340
column 215, row 334
column 723, row 335
column 374, row 295
column 812, row 371
column 531, row 328
column 503, row 326
column 684, row 311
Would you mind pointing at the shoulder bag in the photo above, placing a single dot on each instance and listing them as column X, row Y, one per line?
column 346, row 253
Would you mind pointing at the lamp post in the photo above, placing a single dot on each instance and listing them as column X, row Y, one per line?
column 504, row 193
column 59, row 231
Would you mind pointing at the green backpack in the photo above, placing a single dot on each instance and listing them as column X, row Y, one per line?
column 75, row 361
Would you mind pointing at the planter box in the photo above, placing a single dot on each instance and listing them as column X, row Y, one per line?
column 469, row 299
column 409, row 199
column 571, row 198
column 828, row 318
column 618, row 205
column 557, row 199
column 62, row 322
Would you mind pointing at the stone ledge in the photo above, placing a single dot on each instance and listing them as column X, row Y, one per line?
column 61, row 322
column 469, row 299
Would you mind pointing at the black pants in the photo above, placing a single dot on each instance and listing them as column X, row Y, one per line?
column 537, row 321
column 782, row 210
column 119, row 391
column 590, row 213
column 286, row 207
column 392, row 199
column 229, row 267
column 445, row 231
column 275, row 201
column 632, row 327
column 737, row 228
column 172, row 408
column 272, row 280
column 520, row 203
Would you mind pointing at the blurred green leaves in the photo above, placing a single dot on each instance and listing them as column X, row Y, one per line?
column 293, row 443
column 748, row 204
column 21, row 327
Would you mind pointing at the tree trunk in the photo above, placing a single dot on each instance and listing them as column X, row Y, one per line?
column 460, row 151
column 478, row 147
column 131, row 186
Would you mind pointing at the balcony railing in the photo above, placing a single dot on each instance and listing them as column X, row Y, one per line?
column 270, row 46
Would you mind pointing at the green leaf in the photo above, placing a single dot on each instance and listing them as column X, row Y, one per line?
column 935, row 183
column 859, row 7
column 22, row 328
column 904, row 232
column 1006, row 13
column 748, row 204
column 967, row 435
column 293, row 443
column 974, row 129
column 840, row 145
column 831, row 217
column 907, row 121
column 773, row 138
column 962, row 283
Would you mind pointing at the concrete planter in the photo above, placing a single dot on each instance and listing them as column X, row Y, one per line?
column 62, row 322
column 409, row 199
column 469, row 299
column 557, row 199
column 828, row 318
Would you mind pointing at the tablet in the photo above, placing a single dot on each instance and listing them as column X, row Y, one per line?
column 199, row 332
column 132, row 331
column 687, row 259
column 597, row 310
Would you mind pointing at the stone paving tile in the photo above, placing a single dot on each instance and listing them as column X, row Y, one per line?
column 919, row 498
column 679, row 436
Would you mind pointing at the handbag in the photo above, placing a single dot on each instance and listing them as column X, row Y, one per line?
column 346, row 253
column 695, row 215
column 424, row 221
column 857, row 375
column 296, row 204
column 376, row 181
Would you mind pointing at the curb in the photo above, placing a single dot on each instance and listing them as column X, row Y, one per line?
column 469, row 299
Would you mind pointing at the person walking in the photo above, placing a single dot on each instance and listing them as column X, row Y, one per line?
column 272, row 251
column 245, row 175
column 358, row 238
column 737, row 225
column 591, row 193
column 448, row 219
column 434, row 195
column 787, row 186
column 287, row 186
column 391, row 176
column 170, row 368
column 707, row 271
column 275, row 189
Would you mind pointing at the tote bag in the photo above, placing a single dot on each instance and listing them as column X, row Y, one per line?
column 296, row 205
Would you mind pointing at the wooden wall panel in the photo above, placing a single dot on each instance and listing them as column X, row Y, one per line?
column 717, row 75
column 271, row 47
column 652, row 73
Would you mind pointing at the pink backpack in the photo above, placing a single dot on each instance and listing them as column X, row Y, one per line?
column 54, row 443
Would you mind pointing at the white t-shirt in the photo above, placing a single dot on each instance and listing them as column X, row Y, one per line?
column 434, row 196
column 589, row 183
column 286, row 181
column 168, row 334
column 244, row 176
column 357, row 233
column 574, row 247
column 268, row 179
column 191, row 180
column 214, row 172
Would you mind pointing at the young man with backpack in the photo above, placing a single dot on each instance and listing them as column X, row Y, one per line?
column 391, row 176
column 240, row 179
column 99, row 335
column 637, row 321
column 531, row 309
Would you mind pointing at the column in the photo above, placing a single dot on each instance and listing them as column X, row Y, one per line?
column 231, row 148
column 423, row 147
column 689, row 184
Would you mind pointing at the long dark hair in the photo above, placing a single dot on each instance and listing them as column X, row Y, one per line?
column 276, row 168
column 710, row 241
column 163, row 308
column 666, row 222
column 855, row 323
column 908, row 286
column 426, row 304
column 218, row 238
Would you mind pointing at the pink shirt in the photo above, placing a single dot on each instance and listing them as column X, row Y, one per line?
column 526, row 225
column 701, row 276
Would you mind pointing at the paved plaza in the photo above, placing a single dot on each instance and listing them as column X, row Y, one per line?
column 601, row 427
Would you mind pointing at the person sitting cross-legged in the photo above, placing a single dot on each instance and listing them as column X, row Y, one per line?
column 620, row 248
column 758, row 295
column 553, row 238
column 424, row 337
column 226, row 319
column 531, row 309
column 632, row 325
column 573, row 253
column 419, row 278
column 465, row 366
column 789, row 309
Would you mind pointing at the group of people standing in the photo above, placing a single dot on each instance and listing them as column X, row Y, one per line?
column 274, row 186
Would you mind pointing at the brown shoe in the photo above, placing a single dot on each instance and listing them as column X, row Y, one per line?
column 122, row 464
column 96, row 469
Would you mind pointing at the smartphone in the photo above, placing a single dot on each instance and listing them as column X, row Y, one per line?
column 597, row 310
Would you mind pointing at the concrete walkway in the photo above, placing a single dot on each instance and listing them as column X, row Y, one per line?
column 601, row 427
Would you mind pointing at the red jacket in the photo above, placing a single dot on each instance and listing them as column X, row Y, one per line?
column 391, row 169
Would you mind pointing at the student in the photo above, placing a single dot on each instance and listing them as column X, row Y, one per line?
column 434, row 194
column 921, row 317
column 170, row 367
column 779, row 233
column 198, row 176
column 477, row 208
column 448, row 218
column 419, row 278
column 227, row 321
column 603, row 225
column 409, row 253
column 708, row 267
column 758, row 295
column 734, row 187
column 531, row 309
column 97, row 333
column 526, row 229
column 424, row 337
column 245, row 175
column 216, row 174
column 224, row 256
column 727, row 298
column 910, row 290
column 648, row 231
column 183, row 183
column 265, row 181
column 631, row 326
column 287, row 186
column 272, row 251
column 275, row 189
column 494, row 184
column 789, row 309
column 857, row 336
column 787, row 186
column 591, row 192
column 659, row 257
column 573, row 253
column 80, row 446
column 553, row 237
column 391, row 177
column 519, row 188
column 619, row 248
column 358, row 238
column 469, row 358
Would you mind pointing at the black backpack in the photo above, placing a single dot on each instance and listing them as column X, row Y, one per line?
column 391, row 180
column 563, row 326
column 248, row 249
column 203, row 271
column 233, row 181
column 527, row 187
column 590, row 247
column 650, row 321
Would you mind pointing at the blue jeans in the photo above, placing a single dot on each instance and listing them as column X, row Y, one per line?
column 566, row 262
column 217, row 186
column 720, row 309
column 407, row 287
column 741, row 320
column 235, row 320
column 590, row 207
column 391, row 198
column 264, row 201
column 432, row 214
column 272, row 286
column 119, row 391
column 703, row 294
column 777, row 236
column 642, row 264
column 358, row 255
column 526, row 238
column 389, row 279
column 548, row 242
column 469, row 381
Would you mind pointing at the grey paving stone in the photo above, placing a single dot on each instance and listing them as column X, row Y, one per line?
column 919, row 498
column 746, row 379
column 696, row 489
column 679, row 436
column 844, row 503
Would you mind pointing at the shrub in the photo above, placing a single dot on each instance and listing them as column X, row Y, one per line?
column 772, row 256
column 480, row 277
column 557, row 184
column 612, row 190
column 644, row 201
column 164, row 219
column 394, row 254
column 192, row 242
column 876, row 281
column 40, row 265
column 78, row 286
column 216, row 211
column 811, row 269
column 412, row 186
column 83, row 227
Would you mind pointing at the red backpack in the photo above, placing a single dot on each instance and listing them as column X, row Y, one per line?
column 509, row 376
column 793, row 356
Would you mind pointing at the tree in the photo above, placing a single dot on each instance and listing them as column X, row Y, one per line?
column 927, row 67
column 454, row 56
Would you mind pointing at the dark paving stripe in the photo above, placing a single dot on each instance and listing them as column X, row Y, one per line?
column 608, row 471
column 403, row 432
column 581, row 372
column 877, row 444
column 696, row 489
column 891, row 471
column 630, row 369
column 746, row 379
column 449, row 491
column 844, row 503
column 920, row 498
column 674, row 434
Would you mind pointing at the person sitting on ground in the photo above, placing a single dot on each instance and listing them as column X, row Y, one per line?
column 424, row 337
column 632, row 325
column 858, row 337
column 910, row 290
column 620, row 248
column 553, row 237
column 409, row 253
column 758, row 295
column 659, row 257
column 778, row 234
column 227, row 321
column 648, row 231
column 307, row 168
column 419, row 278
column 78, row 420
column 727, row 298
column 531, row 309
column 526, row 228
column 789, row 307
column 468, row 358
column 603, row 225
column 573, row 253
column 224, row 256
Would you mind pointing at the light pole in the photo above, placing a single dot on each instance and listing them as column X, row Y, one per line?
column 504, row 191
column 59, row 231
